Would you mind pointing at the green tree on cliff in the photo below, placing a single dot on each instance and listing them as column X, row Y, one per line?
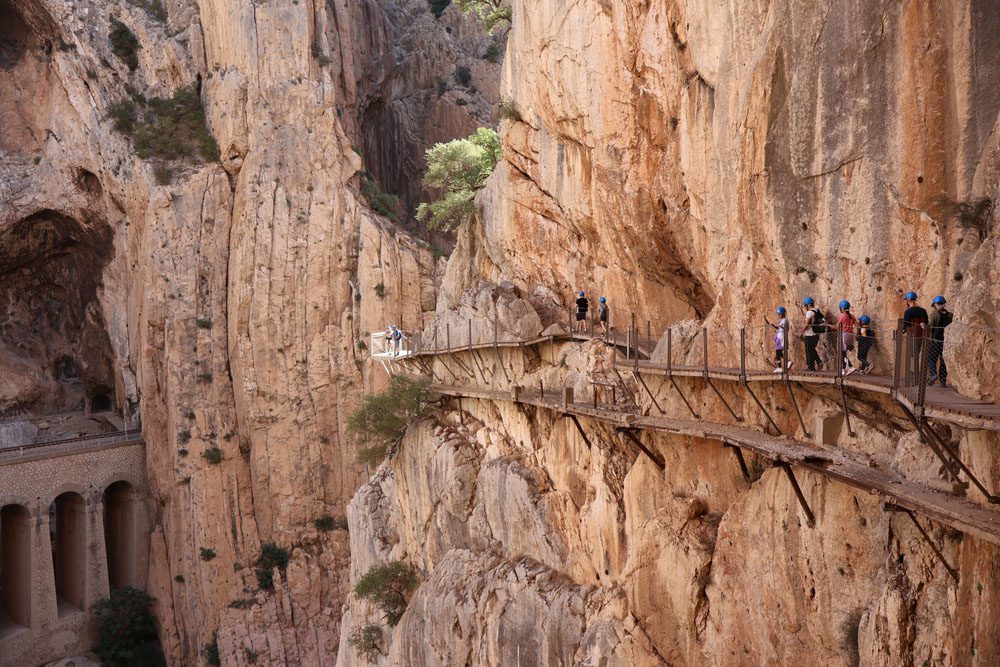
column 492, row 12
column 458, row 169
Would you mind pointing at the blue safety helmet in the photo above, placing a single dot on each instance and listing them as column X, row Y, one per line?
column 845, row 305
column 808, row 301
column 603, row 299
column 864, row 319
column 910, row 296
column 581, row 292
column 781, row 310
column 939, row 300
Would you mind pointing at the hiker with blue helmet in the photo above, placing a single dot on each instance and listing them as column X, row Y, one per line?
column 781, row 329
column 940, row 318
column 866, row 341
column 846, row 323
column 582, row 306
column 814, row 327
column 603, row 314
column 915, row 325
column 395, row 339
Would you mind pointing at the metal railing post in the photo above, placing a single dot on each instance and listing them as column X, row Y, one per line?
column 786, row 348
column 840, row 351
column 704, row 349
column 922, row 374
column 447, row 336
column 743, row 354
column 470, row 333
column 896, row 351
column 635, row 336
column 670, row 351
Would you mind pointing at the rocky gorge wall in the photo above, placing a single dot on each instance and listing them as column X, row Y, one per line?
column 708, row 161
column 226, row 300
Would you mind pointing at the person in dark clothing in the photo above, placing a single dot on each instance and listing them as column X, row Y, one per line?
column 939, row 319
column 582, row 306
column 914, row 324
column 603, row 314
column 866, row 341
column 811, row 333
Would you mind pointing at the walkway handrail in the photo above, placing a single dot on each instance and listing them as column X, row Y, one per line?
column 79, row 443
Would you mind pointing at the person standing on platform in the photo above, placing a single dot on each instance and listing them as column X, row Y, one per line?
column 940, row 318
column 915, row 324
column 814, row 327
column 603, row 314
column 781, row 328
column 582, row 306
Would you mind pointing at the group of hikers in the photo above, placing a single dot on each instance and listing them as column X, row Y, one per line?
column 861, row 331
column 855, row 333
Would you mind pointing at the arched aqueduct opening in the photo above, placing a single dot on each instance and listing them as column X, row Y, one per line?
column 15, row 569
column 68, row 533
column 120, row 528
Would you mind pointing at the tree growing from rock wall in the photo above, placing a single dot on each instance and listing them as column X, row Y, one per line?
column 493, row 13
column 458, row 169
column 382, row 419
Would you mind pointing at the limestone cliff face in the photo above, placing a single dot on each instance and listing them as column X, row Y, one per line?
column 708, row 161
column 226, row 307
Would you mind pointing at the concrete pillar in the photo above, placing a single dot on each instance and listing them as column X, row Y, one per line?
column 96, row 564
column 44, row 605
column 15, row 566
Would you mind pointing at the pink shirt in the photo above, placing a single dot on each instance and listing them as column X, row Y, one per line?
column 846, row 321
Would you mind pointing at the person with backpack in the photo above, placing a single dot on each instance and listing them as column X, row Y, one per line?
column 582, row 306
column 603, row 314
column 814, row 327
column 915, row 324
column 846, row 323
column 866, row 341
column 939, row 319
column 396, row 338
column 779, row 340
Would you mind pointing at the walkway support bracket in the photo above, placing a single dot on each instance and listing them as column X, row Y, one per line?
column 579, row 428
column 892, row 507
column 739, row 459
column 722, row 398
column 655, row 458
column 795, row 404
column 638, row 376
column 810, row 518
column 946, row 448
column 943, row 456
column 746, row 385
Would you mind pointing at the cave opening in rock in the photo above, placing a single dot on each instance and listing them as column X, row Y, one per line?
column 54, row 345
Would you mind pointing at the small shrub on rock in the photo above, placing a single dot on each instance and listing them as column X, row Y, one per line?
column 213, row 455
column 367, row 641
column 212, row 656
column 206, row 553
column 271, row 556
column 382, row 419
column 124, row 44
column 126, row 636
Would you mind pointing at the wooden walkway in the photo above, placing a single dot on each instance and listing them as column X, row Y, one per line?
column 834, row 463
column 942, row 404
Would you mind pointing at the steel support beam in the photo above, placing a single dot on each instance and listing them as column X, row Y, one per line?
column 739, row 459
column 746, row 385
column 810, row 518
column 892, row 507
column 579, row 427
column 655, row 458
column 723, row 399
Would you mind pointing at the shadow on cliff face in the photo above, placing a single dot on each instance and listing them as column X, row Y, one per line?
column 54, row 345
column 24, row 64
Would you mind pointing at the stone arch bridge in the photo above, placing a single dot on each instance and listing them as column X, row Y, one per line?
column 75, row 518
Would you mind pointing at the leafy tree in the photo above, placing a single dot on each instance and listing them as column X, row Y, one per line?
column 367, row 641
column 438, row 6
column 271, row 556
column 382, row 418
column 124, row 44
column 386, row 586
column 492, row 12
column 459, row 168
column 126, row 636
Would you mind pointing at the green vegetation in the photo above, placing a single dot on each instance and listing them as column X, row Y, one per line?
column 271, row 556
column 213, row 455
column 206, row 554
column 380, row 290
column 168, row 129
column 442, row 86
column 327, row 523
column 492, row 12
column 367, row 641
column 438, row 6
column 212, row 651
column 179, row 578
column 124, row 44
column 204, row 378
column 458, row 168
column 382, row 419
column 383, row 203
column 184, row 437
column 126, row 636
column 203, row 323
column 509, row 111
column 492, row 53
column 386, row 587
column 463, row 75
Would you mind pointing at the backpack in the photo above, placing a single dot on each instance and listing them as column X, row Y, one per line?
column 397, row 335
column 819, row 321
